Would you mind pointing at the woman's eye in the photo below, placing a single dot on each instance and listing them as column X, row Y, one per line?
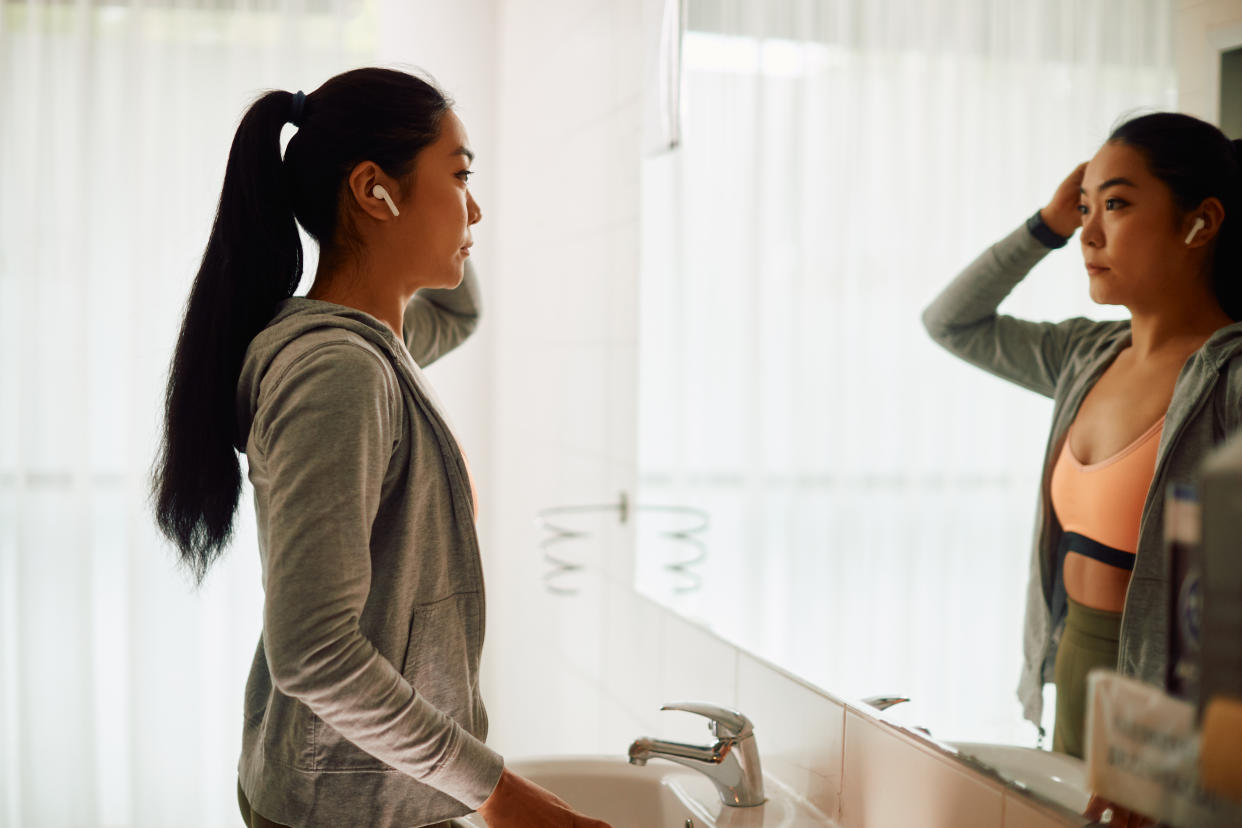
column 1114, row 204
column 1082, row 208
column 464, row 175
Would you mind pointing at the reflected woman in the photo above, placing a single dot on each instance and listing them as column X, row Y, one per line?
column 1138, row 403
column 362, row 706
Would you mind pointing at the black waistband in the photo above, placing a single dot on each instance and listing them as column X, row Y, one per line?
column 1085, row 546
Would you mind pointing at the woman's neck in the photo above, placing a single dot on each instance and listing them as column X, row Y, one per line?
column 1175, row 332
column 343, row 285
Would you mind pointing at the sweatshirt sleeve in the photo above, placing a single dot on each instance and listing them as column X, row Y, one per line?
column 438, row 320
column 326, row 430
column 963, row 318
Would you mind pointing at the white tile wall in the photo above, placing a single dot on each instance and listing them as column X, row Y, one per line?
column 562, row 308
column 803, row 732
column 892, row 782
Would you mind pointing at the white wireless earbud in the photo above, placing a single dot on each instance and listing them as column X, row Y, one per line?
column 379, row 192
column 1198, row 225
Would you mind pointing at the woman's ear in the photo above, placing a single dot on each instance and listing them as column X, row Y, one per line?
column 1200, row 225
column 361, row 186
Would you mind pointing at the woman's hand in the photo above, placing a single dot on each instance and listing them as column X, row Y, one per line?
column 519, row 803
column 1121, row 817
column 1061, row 215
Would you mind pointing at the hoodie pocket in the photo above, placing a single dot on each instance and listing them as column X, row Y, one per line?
column 441, row 664
column 442, row 658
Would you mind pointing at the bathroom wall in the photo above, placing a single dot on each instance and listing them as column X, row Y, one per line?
column 576, row 661
column 560, row 291
column 1202, row 28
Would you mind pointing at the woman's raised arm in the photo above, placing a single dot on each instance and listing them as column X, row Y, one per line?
column 437, row 320
column 963, row 318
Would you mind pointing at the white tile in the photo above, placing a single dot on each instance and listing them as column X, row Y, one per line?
column 634, row 653
column 621, row 391
column 572, row 723
column 536, row 705
column 697, row 666
column 579, row 634
column 618, row 727
column 587, row 61
column 621, row 284
column 564, row 290
column 621, row 476
column 628, row 21
column 801, row 733
column 892, row 780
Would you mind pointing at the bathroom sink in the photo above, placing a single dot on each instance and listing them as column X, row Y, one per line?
column 1056, row 776
column 657, row 795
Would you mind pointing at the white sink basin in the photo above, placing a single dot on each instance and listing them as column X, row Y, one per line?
column 1057, row 776
column 659, row 795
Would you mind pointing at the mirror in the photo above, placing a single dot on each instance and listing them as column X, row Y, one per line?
column 840, row 496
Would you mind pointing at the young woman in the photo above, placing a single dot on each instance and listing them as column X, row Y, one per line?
column 362, row 706
column 1138, row 403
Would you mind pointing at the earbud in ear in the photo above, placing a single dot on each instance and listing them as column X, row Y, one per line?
column 379, row 192
column 1198, row 225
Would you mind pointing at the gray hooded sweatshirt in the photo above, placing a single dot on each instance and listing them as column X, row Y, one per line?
column 1063, row 360
column 362, row 706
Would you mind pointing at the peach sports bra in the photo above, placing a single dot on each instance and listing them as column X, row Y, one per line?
column 1100, row 505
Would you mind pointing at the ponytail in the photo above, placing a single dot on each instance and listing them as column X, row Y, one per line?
column 253, row 260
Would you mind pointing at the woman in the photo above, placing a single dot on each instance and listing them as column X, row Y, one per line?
column 1138, row 403
column 362, row 706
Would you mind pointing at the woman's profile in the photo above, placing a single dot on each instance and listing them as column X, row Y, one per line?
column 1138, row 403
column 362, row 706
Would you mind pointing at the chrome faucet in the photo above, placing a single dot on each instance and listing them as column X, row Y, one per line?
column 884, row 702
column 732, row 763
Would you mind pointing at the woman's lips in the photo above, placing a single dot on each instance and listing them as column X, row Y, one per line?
column 1095, row 270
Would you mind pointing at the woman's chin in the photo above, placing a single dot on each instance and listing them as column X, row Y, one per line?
column 445, row 278
column 1101, row 294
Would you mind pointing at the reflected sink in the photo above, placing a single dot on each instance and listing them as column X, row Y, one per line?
column 657, row 795
column 1056, row 776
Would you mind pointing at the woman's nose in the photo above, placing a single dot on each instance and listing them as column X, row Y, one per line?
column 1092, row 235
column 474, row 214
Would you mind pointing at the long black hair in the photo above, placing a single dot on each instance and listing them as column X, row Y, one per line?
column 253, row 260
column 1197, row 161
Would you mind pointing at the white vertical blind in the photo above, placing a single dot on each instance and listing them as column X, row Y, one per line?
column 120, row 686
column 871, row 497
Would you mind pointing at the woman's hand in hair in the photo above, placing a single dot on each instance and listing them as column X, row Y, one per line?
column 519, row 803
column 1061, row 215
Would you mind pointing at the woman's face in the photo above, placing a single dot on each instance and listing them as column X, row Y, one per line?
column 437, row 209
column 1131, row 239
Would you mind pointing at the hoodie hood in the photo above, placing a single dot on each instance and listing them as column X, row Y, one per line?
column 1223, row 346
column 294, row 317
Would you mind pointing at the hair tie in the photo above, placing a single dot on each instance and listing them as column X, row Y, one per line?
column 299, row 104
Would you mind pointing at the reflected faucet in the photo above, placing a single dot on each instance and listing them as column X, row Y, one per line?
column 884, row 702
column 732, row 763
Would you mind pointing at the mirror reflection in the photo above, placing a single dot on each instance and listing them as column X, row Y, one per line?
column 878, row 512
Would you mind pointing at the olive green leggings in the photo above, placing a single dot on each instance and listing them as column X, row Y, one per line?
column 1089, row 641
column 252, row 819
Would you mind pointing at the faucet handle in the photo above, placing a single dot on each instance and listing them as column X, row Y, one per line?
column 725, row 723
column 884, row 702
